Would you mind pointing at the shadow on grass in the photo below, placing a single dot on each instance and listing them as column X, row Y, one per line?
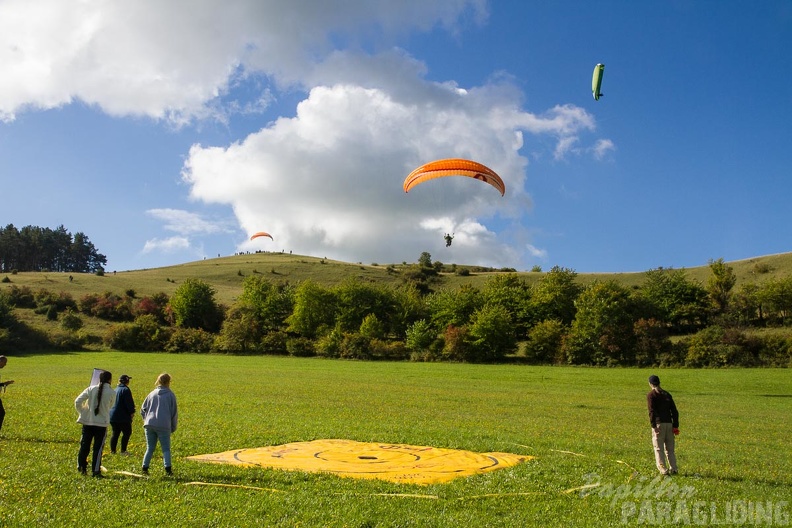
column 22, row 439
column 728, row 478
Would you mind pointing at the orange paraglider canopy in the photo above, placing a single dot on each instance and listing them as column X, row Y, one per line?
column 454, row 167
column 261, row 234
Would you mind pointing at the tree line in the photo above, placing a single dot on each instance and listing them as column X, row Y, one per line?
column 35, row 248
column 669, row 320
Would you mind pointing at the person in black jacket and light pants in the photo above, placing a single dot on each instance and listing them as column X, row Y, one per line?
column 664, row 419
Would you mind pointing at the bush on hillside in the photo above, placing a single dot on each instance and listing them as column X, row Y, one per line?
column 143, row 334
column 543, row 346
column 71, row 321
column 194, row 306
column 107, row 305
column 274, row 344
column 300, row 347
column 329, row 345
column 21, row 297
column 192, row 340
column 715, row 346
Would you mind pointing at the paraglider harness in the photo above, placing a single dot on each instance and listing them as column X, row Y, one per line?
column 448, row 239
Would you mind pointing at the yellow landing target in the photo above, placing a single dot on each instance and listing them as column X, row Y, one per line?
column 347, row 458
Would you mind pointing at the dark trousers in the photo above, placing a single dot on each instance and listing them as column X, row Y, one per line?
column 2, row 414
column 122, row 429
column 91, row 434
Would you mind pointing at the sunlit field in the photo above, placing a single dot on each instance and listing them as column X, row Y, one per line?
column 588, row 429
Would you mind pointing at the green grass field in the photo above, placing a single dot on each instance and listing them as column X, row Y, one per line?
column 585, row 426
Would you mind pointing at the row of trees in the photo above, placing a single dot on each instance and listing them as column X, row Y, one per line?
column 668, row 320
column 43, row 249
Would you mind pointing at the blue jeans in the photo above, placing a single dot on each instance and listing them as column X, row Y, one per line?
column 152, row 436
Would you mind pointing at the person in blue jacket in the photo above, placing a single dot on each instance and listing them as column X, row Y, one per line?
column 160, row 418
column 121, row 415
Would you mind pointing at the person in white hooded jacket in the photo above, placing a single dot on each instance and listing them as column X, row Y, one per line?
column 93, row 405
column 160, row 418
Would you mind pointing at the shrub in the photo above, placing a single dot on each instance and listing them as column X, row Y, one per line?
column 388, row 350
column 715, row 346
column 155, row 305
column 455, row 346
column 71, row 321
column 420, row 336
column 300, row 347
column 241, row 331
column 776, row 351
column 194, row 306
column 122, row 336
column 193, row 340
column 544, row 342
column 274, row 343
column 6, row 279
column 651, row 341
column 329, row 345
column 372, row 327
column 21, row 297
column 109, row 306
column 142, row 334
column 65, row 340
column 491, row 334
column 762, row 267
column 356, row 346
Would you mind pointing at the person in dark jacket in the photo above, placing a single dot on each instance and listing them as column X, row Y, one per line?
column 664, row 419
column 3, row 361
column 121, row 415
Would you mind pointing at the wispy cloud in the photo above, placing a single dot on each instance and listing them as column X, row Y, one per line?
column 536, row 252
column 187, row 223
column 602, row 147
column 166, row 245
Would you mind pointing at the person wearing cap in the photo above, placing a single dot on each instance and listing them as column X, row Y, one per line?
column 121, row 415
column 664, row 419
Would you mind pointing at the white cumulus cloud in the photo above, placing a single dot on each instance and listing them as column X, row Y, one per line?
column 170, row 59
column 329, row 180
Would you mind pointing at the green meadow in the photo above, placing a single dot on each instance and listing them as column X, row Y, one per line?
column 587, row 428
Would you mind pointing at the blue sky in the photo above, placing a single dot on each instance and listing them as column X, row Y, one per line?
column 171, row 131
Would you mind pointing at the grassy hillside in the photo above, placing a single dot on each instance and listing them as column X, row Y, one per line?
column 226, row 274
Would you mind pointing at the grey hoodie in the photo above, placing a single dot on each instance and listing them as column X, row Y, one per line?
column 159, row 410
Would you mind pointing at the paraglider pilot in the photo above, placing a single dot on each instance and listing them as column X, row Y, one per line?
column 448, row 239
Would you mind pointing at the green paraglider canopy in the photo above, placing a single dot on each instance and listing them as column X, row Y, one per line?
column 596, row 81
